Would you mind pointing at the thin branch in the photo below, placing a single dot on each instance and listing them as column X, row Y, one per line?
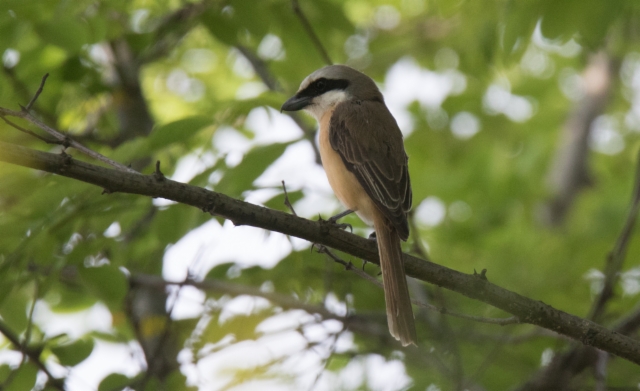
column 443, row 310
column 33, row 354
column 284, row 301
column 64, row 139
column 312, row 34
column 473, row 286
column 287, row 203
column 22, row 90
column 29, row 132
column 37, row 94
column 615, row 258
column 269, row 80
column 260, row 68
column 171, row 29
column 325, row 361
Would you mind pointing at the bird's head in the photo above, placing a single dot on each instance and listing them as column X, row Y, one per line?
column 329, row 86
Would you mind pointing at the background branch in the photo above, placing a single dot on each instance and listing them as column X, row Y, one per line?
column 310, row 32
column 569, row 173
column 33, row 354
column 615, row 258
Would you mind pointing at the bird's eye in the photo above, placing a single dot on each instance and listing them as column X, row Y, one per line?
column 321, row 85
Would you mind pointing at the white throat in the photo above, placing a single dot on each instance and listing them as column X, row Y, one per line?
column 326, row 101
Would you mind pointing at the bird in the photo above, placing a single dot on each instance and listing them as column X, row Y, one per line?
column 362, row 152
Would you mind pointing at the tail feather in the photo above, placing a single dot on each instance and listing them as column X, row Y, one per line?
column 396, row 292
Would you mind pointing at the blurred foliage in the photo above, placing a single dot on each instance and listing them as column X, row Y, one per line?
column 480, row 156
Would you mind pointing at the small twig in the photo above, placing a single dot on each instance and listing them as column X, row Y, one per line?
column 29, row 132
column 64, row 139
column 309, row 29
column 326, row 361
column 347, row 265
column 33, row 354
column 615, row 258
column 286, row 200
column 37, row 94
column 157, row 173
column 351, row 267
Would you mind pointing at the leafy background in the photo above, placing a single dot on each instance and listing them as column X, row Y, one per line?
column 484, row 92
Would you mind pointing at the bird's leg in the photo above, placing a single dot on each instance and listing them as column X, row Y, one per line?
column 334, row 220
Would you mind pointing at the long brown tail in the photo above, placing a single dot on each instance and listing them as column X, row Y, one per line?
column 396, row 292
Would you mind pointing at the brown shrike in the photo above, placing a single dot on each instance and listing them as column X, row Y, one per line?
column 363, row 154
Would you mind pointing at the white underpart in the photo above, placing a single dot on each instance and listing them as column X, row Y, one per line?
column 328, row 100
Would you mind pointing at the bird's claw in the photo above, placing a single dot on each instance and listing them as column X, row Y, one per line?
column 333, row 220
column 343, row 226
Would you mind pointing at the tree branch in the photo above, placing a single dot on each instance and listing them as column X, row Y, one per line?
column 569, row 173
column 243, row 213
column 357, row 323
column 64, row 139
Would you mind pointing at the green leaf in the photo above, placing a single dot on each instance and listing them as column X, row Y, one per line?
column 338, row 362
column 221, row 25
column 114, row 381
column 5, row 370
column 73, row 353
column 241, row 177
column 176, row 381
column 174, row 222
column 177, row 131
column 24, row 379
column 107, row 282
column 14, row 310
column 73, row 70
column 219, row 272
column 68, row 33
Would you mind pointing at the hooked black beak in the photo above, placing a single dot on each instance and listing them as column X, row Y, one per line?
column 296, row 103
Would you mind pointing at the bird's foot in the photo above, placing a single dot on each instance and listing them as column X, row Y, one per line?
column 333, row 220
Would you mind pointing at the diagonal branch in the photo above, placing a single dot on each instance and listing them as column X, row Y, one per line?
column 261, row 69
column 37, row 94
column 312, row 34
column 64, row 139
column 243, row 213
column 569, row 172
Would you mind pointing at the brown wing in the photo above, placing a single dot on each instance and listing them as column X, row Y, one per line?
column 367, row 138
